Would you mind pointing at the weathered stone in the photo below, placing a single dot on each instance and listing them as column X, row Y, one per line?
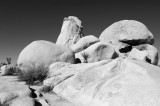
column 11, row 88
column 96, row 52
column 60, row 71
column 127, row 31
column 138, row 55
column 8, row 70
column 71, row 31
column 40, row 54
column 84, row 42
column 152, row 55
column 24, row 101
column 122, row 49
column 121, row 82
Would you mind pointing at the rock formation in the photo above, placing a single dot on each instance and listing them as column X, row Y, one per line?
column 118, row 69
column 84, row 42
column 71, row 31
column 96, row 52
column 121, row 82
column 40, row 54
column 127, row 31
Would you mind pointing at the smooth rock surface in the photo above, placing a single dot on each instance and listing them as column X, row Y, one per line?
column 40, row 54
column 84, row 42
column 96, row 52
column 71, row 31
column 128, row 31
column 11, row 89
column 121, row 82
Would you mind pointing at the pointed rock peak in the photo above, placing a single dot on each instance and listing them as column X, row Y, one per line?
column 71, row 31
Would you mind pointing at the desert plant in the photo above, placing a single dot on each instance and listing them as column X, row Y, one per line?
column 8, row 60
column 32, row 75
column 85, row 56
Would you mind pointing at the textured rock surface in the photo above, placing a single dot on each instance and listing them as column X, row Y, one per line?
column 152, row 52
column 128, row 31
column 40, row 54
column 136, row 54
column 84, row 42
column 71, row 31
column 96, row 52
column 60, row 71
column 121, row 82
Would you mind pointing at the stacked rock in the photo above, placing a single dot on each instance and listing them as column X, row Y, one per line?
column 116, row 69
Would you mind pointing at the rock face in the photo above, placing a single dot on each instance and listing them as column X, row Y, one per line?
column 127, row 31
column 121, row 82
column 71, row 31
column 40, row 54
column 61, row 71
column 96, row 52
column 152, row 53
column 84, row 42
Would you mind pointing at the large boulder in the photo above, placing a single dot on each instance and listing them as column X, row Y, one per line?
column 120, row 82
column 71, row 31
column 40, row 54
column 84, row 42
column 96, row 52
column 127, row 31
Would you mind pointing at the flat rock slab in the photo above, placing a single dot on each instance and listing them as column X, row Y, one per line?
column 11, row 88
column 121, row 82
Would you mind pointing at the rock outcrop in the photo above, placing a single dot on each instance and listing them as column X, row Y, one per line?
column 96, row 52
column 121, row 82
column 71, row 31
column 40, row 54
column 127, row 31
column 152, row 53
column 84, row 42
column 118, row 69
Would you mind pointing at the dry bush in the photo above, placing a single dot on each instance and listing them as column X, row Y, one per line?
column 31, row 75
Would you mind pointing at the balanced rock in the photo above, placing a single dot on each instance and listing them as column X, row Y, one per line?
column 84, row 42
column 127, row 31
column 40, row 54
column 120, row 82
column 152, row 53
column 71, row 31
column 96, row 52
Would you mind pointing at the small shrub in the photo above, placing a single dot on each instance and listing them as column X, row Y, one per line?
column 32, row 76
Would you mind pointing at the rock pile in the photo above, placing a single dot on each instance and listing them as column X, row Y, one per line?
column 120, row 68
